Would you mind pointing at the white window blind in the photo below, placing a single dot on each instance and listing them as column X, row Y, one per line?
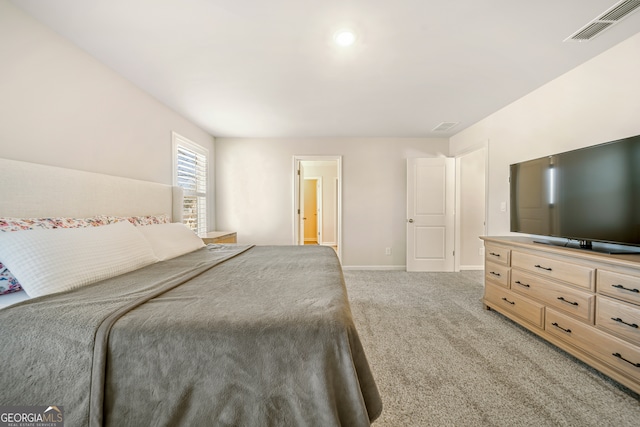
column 190, row 165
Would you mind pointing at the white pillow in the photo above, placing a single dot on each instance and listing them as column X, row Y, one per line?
column 171, row 240
column 56, row 260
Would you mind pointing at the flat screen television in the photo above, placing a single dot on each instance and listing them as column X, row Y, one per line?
column 589, row 195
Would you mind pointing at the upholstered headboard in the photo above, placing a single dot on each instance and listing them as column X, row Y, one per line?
column 29, row 190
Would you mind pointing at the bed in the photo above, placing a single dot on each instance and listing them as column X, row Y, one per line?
column 220, row 335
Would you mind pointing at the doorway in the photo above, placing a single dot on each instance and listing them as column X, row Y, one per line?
column 312, row 213
column 471, row 200
column 328, row 219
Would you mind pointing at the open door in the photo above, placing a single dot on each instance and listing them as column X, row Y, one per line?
column 471, row 208
column 312, row 204
column 430, row 214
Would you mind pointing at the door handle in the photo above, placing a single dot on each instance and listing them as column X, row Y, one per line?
column 410, row 220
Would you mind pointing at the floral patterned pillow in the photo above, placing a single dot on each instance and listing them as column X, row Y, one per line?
column 18, row 224
column 8, row 283
column 149, row 219
column 138, row 220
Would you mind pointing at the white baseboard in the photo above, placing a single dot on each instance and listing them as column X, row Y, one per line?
column 321, row 244
column 375, row 267
column 402, row 267
column 471, row 267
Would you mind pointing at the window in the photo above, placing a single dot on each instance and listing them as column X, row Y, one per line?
column 190, row 173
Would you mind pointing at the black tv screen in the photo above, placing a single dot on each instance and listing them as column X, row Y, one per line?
column 590, row 194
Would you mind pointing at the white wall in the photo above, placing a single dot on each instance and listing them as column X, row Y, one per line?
column 254, row 191
column 59, row 106
column 598, row 101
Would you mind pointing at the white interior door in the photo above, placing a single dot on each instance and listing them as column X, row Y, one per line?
column 430, row 214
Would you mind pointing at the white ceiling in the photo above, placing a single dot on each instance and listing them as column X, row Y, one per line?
column 269, row 68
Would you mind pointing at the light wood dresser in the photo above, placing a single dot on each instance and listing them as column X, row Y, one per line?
column 584, row 302
column 220, row 237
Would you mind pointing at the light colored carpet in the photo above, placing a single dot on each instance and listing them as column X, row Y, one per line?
column 440, row 359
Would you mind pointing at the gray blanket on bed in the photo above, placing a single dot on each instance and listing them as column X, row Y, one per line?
column 259, row 338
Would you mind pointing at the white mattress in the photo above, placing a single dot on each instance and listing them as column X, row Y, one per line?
column 12, row 298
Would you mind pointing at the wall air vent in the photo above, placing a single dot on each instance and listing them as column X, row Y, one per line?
column 444, row 126
column 611, row 16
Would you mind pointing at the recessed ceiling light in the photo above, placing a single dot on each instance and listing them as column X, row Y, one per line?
column 344, row 37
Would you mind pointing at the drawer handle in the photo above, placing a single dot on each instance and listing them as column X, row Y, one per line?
column 494, row 254
column 626, row 289
column 619, row 356
column 494, row 273
column 560, row 327
column 510, row 302
column 543, row 268
column 617, row 319
column 518, row 282
column 568, row 302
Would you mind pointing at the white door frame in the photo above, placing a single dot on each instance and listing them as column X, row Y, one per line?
column 484, row 145
column 296, row 197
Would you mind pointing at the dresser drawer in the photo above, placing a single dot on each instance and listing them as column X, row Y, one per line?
column 519, row 306
column 575, row 274
column 569, row 300
column 620, row 354
column 497, row 254
column 568, row 329
column 496, row 273
column 617, row 285
column 619, row 317
column 617, row 353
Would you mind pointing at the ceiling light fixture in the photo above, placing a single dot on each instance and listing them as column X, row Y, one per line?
column 344, row 38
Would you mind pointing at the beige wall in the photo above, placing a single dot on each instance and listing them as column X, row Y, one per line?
column 254, row 191
column 61, row 107
column 596, row 102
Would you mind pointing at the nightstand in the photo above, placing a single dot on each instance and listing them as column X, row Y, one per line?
column 220, row 237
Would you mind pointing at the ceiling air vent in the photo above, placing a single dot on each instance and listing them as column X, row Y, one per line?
column 611, row 16
column 590, row 31
column 444, row 126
